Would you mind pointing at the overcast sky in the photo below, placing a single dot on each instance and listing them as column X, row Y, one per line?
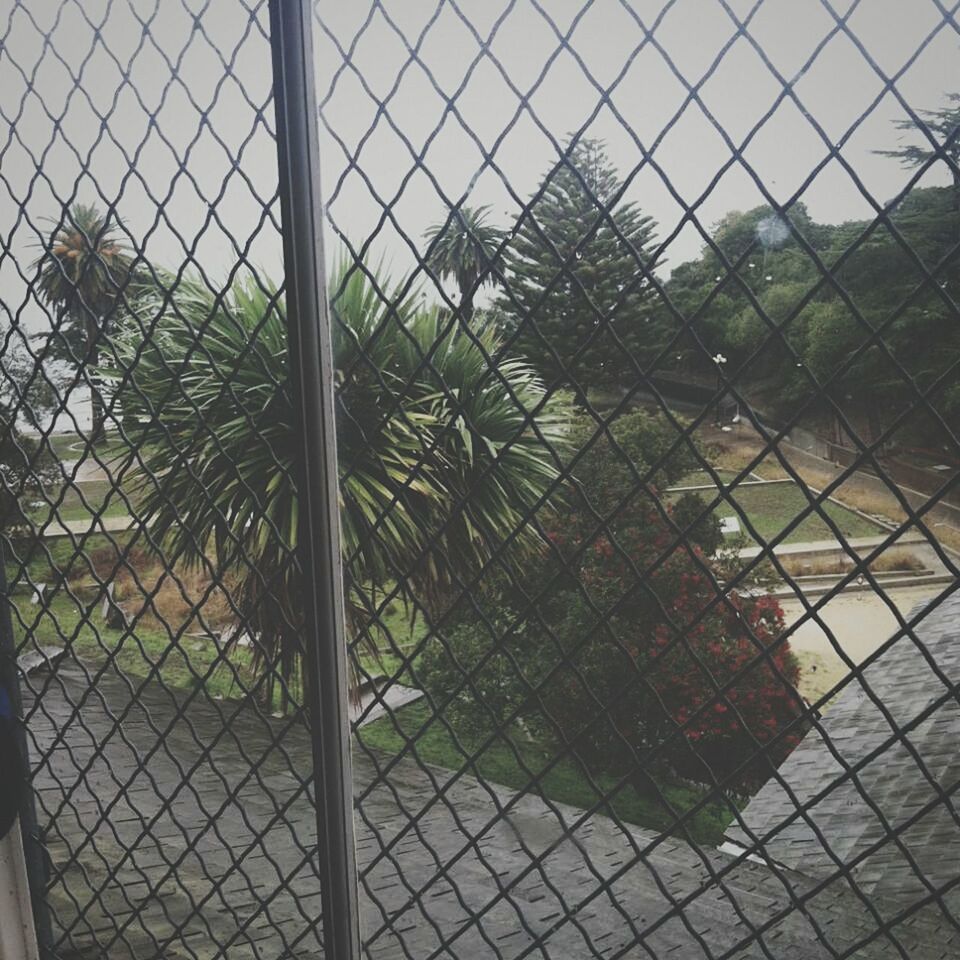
column 169, row 118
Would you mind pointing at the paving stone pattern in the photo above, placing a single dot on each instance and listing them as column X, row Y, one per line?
column 900, row 782
column 179, row 828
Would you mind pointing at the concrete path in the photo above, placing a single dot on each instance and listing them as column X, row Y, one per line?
column 859, row 621
column 87, row 525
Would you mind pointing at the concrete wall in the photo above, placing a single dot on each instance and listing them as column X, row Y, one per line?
column 18, row 940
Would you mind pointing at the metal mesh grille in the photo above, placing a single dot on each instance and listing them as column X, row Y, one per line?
column 172, row 819
column 582, row 728
column 554, row 881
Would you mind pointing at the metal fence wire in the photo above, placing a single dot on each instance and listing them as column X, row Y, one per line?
column 642, row 605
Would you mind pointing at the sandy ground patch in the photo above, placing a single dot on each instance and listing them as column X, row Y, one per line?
column 860, row 622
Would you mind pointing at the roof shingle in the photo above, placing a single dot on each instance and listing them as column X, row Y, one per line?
column 879, row 776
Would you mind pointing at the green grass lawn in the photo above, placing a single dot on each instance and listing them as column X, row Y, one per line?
column 62, row 445
column 503, row 762
column 770, row 508
column 82, row 500
column 72, row 446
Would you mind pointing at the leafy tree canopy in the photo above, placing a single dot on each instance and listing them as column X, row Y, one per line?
column 781, row 314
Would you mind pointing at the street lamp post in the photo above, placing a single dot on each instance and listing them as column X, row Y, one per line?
column 719, row 360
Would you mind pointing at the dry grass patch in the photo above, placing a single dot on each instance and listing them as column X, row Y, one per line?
column 735, row 455
column 188, row 598
column 890, row 561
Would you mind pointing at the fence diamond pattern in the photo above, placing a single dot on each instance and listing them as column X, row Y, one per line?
column 579, row 728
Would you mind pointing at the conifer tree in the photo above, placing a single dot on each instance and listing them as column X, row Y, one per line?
column 944, row 126
column 578, row 287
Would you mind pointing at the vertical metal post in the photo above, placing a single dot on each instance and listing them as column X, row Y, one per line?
column 36, row 867
column 18, row 936
column 311, row 359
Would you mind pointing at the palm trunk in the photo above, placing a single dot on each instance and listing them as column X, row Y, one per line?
column 956, row 199
column 92, row 362
column 467, row 282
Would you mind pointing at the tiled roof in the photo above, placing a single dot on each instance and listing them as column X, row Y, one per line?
column 219, row 855
column 884, row 803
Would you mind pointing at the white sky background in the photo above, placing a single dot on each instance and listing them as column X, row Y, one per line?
column 161, row 145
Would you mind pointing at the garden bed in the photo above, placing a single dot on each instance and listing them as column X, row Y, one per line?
column 892, row 560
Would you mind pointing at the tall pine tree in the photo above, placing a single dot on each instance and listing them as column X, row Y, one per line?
column 577, row 284
column 944, row 127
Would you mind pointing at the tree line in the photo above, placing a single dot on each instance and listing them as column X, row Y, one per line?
column 833, row 315
column 858, row 315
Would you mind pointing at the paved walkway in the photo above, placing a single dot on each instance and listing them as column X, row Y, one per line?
column 856, row 544
column 86, row 525
column 858, row 621
column 172, row 833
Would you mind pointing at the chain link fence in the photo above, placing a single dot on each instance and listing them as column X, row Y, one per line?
column 629, row 672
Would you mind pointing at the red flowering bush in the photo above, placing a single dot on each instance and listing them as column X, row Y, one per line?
column 643, row 657
column 656, row 665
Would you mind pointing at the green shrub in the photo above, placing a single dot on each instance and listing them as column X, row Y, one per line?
column 706, row 532
column 486, row 670
column 630, row 448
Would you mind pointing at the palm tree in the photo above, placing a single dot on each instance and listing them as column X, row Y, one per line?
column 466, row 248
column 82, row 270
column 438, row 467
